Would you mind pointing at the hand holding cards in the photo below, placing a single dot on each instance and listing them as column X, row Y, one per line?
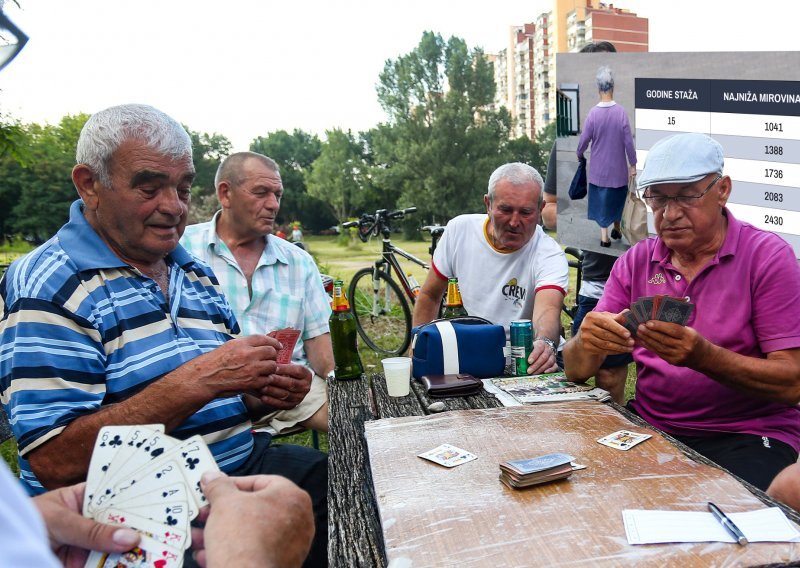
column 662, row 308
column 142, row 479
column 288, row 338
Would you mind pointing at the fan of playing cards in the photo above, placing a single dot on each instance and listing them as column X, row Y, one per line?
column 661, row 308
column 142, row 479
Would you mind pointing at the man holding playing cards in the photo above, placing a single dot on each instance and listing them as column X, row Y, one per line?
column 112, row 322
column 727, row 383
column 270, row 283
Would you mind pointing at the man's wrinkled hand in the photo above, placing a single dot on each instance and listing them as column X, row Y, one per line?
column 676, row 344
column 241, row 365
column 603, row 333
column 542, row 359
column 287, row 387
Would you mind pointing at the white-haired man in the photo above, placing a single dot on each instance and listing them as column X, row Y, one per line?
column 113, row 322
column 507, row 267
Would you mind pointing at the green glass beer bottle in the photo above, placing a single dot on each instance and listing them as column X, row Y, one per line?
column 343, row 336
column 453, row 306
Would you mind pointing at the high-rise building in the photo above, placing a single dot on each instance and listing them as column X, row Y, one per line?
column 525, row 73
column 627, row 31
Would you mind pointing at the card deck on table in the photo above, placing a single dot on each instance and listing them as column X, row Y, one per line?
column 143, row 479
column 519, row 474
column 288, row 338
column 623, row 440
column 448, row 456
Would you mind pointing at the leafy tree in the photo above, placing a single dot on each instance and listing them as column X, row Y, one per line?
column 295, row 153
column 534, row 153
column 443, row 137
column 339, row 174
column 208, row 150
column 43, row 186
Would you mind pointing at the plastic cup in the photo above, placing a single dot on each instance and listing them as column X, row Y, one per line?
column 397, row 371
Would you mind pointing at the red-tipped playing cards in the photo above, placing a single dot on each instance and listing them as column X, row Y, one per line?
column 142, row 479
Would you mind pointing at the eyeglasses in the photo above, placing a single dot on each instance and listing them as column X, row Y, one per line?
column 660, row 201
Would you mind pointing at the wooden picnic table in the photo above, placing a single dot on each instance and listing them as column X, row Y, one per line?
column 356, row 537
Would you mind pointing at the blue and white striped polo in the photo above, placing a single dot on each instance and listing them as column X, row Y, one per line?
column 81, row 329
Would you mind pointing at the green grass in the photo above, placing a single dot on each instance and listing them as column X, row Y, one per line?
column 8, row 451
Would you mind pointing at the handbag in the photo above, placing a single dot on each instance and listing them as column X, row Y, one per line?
column 470, row 345
column 634, row 215
column 577, row 189
column 461, row 384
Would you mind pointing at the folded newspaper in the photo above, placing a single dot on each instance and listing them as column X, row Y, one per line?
column 535, row 389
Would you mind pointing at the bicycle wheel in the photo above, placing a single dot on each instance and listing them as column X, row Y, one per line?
column 383, row 320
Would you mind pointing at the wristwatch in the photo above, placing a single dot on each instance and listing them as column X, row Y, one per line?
column 549, row 342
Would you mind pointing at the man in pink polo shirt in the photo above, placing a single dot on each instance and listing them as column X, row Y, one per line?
column 728, row 383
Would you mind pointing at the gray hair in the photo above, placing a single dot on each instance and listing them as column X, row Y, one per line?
column 516, row 173
column 605, row 79
column 107, row 130
column 228, row 170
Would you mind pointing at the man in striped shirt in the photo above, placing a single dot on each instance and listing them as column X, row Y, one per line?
column 113, row 322
column 270, row 283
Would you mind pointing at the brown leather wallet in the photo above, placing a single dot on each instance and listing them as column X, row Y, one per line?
column 461, row 384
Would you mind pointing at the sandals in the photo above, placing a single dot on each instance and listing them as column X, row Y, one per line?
column 605, row 244
column 616, row 235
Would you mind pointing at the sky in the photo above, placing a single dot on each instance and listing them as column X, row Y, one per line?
column 244, row 68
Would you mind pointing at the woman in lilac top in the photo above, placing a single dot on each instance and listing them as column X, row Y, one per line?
column 608, row 130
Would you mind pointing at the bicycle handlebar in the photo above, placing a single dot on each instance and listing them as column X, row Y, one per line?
column 374, row 224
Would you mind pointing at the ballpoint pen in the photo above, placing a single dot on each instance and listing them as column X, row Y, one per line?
column 729, row 525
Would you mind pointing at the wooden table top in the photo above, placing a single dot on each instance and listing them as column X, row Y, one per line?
column 498, row 526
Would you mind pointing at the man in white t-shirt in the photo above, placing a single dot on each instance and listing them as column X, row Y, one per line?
column 507, row 267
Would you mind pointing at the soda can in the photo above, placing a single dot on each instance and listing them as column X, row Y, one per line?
column 521, row 345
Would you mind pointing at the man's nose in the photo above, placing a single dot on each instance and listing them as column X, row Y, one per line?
column 171, row 203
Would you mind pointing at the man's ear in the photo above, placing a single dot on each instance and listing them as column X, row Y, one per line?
column 725, row 187
column 486, row 202
column 224, row 194
column 87, row 184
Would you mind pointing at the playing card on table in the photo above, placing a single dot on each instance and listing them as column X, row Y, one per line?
column 448, row 456
column 288, row 338
column 623, row 440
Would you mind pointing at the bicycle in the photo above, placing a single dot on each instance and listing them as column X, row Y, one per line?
column 379, row 304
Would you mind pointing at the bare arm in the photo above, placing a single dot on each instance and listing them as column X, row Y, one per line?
column 775, row 378
column 550, row 212
column 241, row 365
column 426, row 307
column 546, row 323
column 319, row 351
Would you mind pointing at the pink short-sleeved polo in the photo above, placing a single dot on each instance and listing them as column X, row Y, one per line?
column 746, row 300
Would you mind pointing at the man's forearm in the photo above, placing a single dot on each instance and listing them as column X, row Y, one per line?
column 425, row 310
column 319, row 351
column 580, row 365
column 776, row 378
column 64, row 459
column 547, row 315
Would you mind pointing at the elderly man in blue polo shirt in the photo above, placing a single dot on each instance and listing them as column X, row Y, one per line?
column 113, row 322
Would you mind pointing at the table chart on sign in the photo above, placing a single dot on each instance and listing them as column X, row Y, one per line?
column 758, row 125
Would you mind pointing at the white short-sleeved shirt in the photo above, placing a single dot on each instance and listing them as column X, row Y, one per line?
column 23, row 538
column 496, row 285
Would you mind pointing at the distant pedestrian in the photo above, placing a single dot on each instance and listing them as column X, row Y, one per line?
column 608, row 130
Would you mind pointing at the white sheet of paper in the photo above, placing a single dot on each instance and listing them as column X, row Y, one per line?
column 761, row 525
